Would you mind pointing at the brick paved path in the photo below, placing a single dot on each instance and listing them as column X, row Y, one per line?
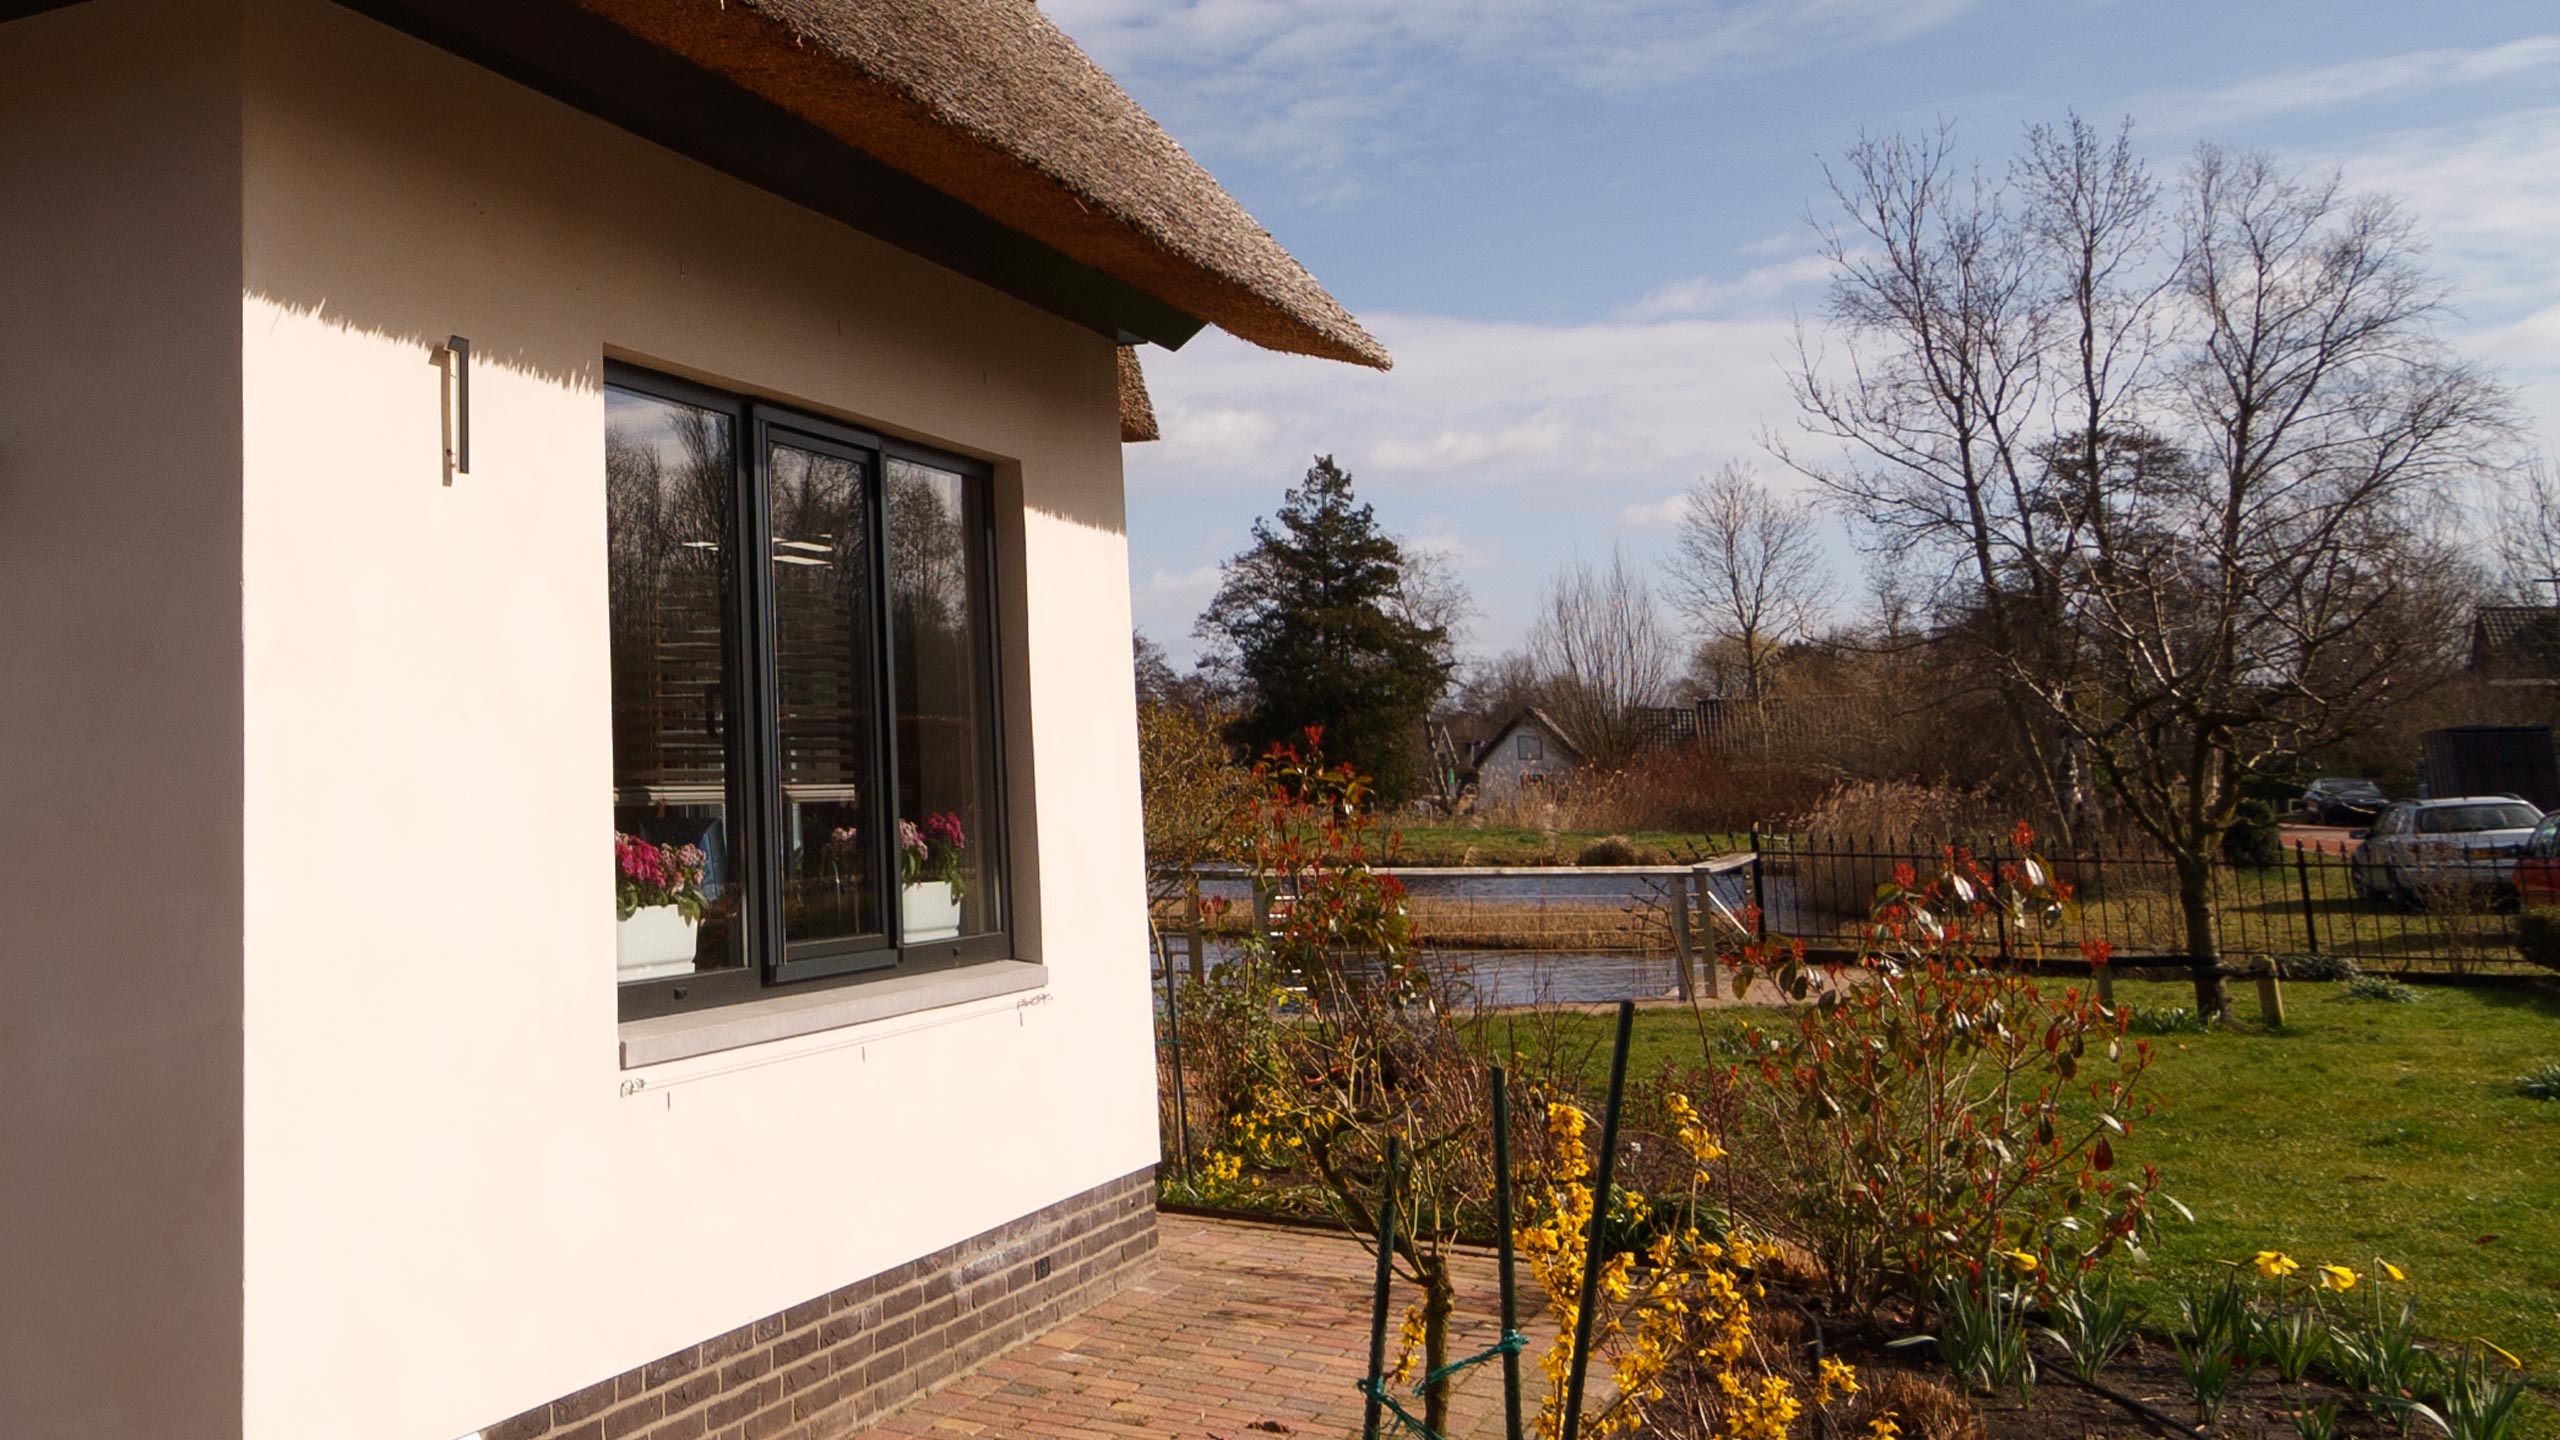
column 1242, row 1331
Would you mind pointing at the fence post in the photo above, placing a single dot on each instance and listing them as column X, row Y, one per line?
column 2310, row 917
column 1706, row 897
column 1759, row 892
column 1680, row 938
column 1194, row 933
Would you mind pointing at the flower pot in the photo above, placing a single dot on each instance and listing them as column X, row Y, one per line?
column 655, row 941
column 929, row 911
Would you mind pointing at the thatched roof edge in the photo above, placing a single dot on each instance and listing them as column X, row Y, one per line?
column 990, row 103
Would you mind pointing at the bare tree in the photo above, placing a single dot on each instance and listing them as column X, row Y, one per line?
column 2181, row 457
column 1603, row 654
column 2525, row 533
column 1747, row 571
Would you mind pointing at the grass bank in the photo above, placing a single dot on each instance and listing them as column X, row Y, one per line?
column 1514, row 845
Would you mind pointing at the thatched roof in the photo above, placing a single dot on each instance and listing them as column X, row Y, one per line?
column 988, row 102
column 1137, row 408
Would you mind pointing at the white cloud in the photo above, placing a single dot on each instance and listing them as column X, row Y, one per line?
column 1754, row 289
column 1648, row 515
column 2329, row 86
column 1318, row 86
column 1504, row 445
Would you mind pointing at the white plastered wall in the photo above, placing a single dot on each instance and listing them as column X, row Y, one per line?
column 457, row 1204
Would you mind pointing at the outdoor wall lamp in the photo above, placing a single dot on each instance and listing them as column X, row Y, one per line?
column 461, row 351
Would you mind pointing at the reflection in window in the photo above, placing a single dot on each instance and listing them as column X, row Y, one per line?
column 668, row 478
column 823, row 642
column 939, row 646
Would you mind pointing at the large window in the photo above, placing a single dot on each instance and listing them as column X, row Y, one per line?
column 805, row 769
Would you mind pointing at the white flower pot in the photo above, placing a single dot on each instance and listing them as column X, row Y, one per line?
column 929, row 911
column 656, row 941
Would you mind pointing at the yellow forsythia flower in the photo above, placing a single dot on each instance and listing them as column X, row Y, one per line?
column 1883, row 1428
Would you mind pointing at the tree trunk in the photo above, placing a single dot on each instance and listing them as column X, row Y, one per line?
column 2204, row 944
column 1439, row 1304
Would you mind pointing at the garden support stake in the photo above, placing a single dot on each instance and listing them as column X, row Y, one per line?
column 1601, row 1181
column 1375, row 1390
column 1502, row 1252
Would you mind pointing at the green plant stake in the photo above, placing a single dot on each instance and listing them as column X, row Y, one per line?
column 1602, row 1181
column 1502, row 1232
column 1374, row 1388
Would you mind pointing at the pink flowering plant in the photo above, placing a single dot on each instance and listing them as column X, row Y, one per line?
column 937, row 849
column 646, row 875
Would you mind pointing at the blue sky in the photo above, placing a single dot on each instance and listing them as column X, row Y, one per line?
column 1581, row 226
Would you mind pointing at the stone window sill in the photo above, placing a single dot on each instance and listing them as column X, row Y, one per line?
column 680, row 1037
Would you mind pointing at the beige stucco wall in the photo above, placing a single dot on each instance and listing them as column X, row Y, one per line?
column 457, row 1204
column 120, row 723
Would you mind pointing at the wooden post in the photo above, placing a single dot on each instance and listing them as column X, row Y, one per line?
column 2270, row 992
column 1759, row 893
column 2107, row 985
column 1193, row 934
column 1680, row 939
column 1707, row 962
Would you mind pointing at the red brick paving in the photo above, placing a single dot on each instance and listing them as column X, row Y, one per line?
column 1243, row 1331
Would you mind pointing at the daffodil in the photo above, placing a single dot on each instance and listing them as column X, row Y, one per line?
column 2391, row 1270
column 2338, row 1278
column 2024, row 1262
column 2275, row 1264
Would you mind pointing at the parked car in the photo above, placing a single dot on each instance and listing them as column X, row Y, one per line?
column 2419, row 845
column 2537, row 874
column 2333, row 800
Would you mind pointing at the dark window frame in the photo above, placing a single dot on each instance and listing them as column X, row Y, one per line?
column 752, row 748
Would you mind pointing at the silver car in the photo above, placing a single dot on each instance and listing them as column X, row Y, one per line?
column 2419, row 846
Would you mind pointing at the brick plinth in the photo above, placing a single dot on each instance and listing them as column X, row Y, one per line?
column 829, row 1363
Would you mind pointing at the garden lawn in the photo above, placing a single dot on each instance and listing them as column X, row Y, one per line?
column 2362, row 1129
column 1511, row 845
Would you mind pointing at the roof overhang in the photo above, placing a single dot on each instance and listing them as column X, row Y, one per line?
column 586, row 61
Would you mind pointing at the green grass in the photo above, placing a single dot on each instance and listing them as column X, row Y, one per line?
column 1509, row 845
column 2359, row 1130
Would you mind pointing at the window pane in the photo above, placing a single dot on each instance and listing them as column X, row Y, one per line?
column 668, row 477
column 946, row 739
column 823, row 646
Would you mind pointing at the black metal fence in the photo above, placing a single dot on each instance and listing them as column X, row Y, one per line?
column 1820, row 889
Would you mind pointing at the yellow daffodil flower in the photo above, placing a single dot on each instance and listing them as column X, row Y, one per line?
column 2275, row 1264
column 2391, row 1270
column 2338, row 1278
column 2024, row 1262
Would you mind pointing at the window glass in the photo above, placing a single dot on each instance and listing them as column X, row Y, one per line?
column 2462, row 819
column 669, row 477
column 1530, row 747
column 828, row 718
column 940, row 649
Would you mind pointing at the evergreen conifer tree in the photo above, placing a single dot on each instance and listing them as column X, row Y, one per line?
column 1310, row 620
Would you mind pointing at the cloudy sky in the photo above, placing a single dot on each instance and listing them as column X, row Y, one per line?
column 1580, row 225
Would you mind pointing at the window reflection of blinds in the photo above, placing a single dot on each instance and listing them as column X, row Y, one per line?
column 822, row 621
column 667, row 486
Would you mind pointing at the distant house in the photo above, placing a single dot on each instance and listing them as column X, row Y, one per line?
column 2516, row 644
column 1529, row 752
